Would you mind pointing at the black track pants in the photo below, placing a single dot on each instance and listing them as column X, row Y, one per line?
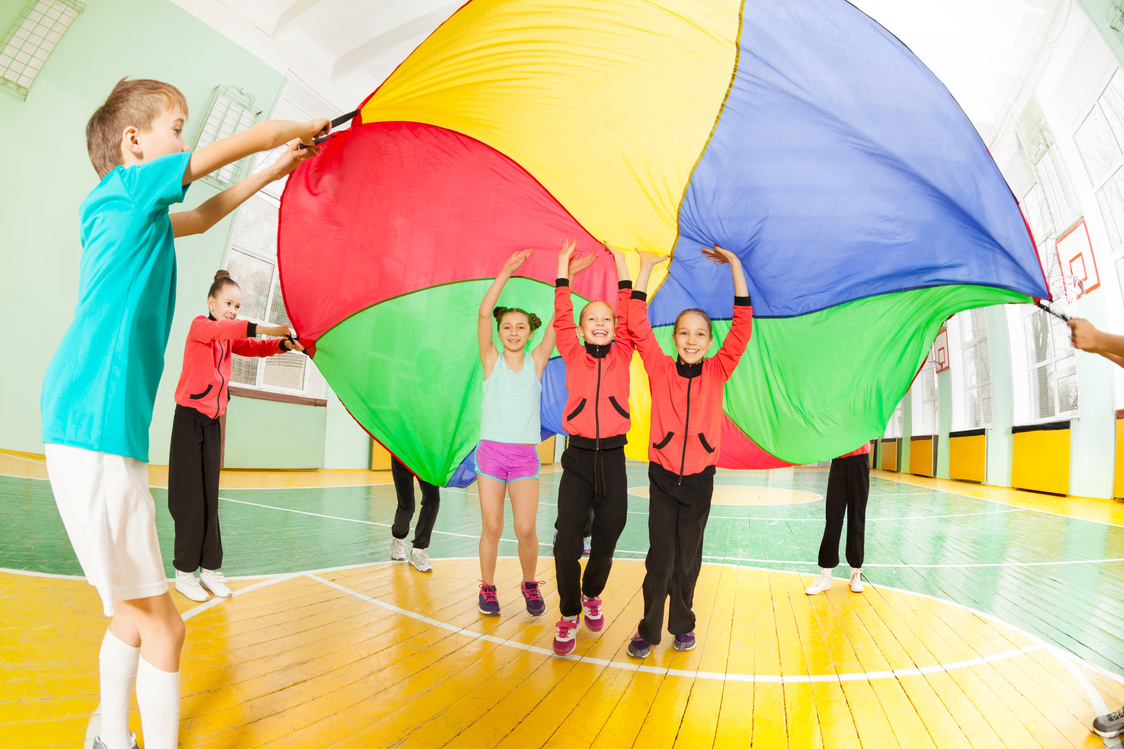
column 193, row 490
column 677, row 518
column 848, row 486
column 592, row 481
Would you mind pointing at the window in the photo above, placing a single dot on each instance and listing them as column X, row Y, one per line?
column 252, row 262
column 972, row 374
column 1035, row 172
column 925, row 400
column 229, row 111
column 31, row 38
column 894, row 426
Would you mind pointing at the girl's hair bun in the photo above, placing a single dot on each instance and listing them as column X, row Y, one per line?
column 221, row 274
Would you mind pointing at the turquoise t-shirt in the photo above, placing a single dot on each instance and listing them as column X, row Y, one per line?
column 101, row 383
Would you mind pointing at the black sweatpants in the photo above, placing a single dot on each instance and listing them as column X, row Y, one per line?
column 193, row 490
column 431, row 503
column 677, row 515
column 592, row 481
column 848, row 486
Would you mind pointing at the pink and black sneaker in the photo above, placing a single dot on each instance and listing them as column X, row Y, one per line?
column 566, row 635
column 594, row 619
column 488, row 603
column 535, row 604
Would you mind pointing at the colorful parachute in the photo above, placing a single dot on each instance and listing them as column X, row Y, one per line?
column 798, row 133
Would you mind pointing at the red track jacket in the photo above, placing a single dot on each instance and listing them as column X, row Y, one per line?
column 687, row 398
column 205, row 381
column 596, row 414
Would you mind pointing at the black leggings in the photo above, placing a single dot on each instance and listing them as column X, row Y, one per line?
column 431, row 503
column 848, row 487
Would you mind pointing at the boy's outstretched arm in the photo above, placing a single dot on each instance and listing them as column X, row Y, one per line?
column 264, row 136
column 210, row 212
column 1087, row 337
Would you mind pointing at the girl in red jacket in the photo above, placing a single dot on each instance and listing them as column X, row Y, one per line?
column 201, row 398
column 597, row 420
column 686, row 424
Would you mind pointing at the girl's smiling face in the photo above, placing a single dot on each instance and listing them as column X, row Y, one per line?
column 227, row 302
column 692, row 337
column 515, row 331
column 598, row 323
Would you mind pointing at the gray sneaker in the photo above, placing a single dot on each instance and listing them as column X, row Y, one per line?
column 398, row 549
column 1109, row 725
column 99, row 744
column 419, row 560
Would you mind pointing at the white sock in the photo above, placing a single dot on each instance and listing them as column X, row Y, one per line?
column 827, row 572
column 158, row 695
column 117, row 665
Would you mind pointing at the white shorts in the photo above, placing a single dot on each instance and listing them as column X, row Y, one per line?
column 110, row 517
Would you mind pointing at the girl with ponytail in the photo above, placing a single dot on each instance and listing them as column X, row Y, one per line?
column 507, row 460
column 201, row 398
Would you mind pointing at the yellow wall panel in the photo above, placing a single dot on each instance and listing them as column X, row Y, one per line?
column 967, row 458
column 889, row 455
column 1118, row 483
column 1040, row 461
column 921, row 456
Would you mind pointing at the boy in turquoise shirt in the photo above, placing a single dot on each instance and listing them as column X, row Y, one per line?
column 100, row 387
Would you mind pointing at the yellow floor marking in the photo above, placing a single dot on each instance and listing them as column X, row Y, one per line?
column 299, row 662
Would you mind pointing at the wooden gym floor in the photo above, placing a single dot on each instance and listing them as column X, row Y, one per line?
column 991, row 618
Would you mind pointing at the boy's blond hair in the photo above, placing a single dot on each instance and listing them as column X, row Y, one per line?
column 133, row 103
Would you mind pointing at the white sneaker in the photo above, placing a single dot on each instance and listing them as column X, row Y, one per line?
column 215, row 581
column 398, row 550
column 189, row 586
column 856, row 581
column 819, row 585
column 420, row 561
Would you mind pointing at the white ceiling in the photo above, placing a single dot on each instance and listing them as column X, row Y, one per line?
column 343, row 49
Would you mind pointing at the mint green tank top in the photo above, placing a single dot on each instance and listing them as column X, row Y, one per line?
column 511, row 404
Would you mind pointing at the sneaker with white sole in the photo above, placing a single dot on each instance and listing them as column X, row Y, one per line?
column 399, row 550
column 638, row 647
column 566, row 635
column 532, row 596
column 856, row 581
column 419, row 560
column 1109, row 726
column 215, row 581
column 189, row 586
column 487, row 602
column 99, row 744
column 594, row 619
column 819, row 585
column 685, row 642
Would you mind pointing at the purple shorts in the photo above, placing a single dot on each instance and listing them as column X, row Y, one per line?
column 506, row 462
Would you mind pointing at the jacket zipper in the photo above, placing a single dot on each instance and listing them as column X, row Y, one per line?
column 222, row 380
column 597, row 410
column 686, row 431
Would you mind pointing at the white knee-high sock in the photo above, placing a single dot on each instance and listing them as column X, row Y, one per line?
column 158, row 696
column 117, row 665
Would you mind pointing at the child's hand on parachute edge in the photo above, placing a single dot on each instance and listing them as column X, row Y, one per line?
column 514, row 262
column 651, row 259
column 720, row 255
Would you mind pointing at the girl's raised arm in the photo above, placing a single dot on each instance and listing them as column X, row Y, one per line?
column 541, row 355
column 648, row 260
column 488, row 352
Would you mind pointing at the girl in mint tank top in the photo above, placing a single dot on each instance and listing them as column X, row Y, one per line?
column 507, row 461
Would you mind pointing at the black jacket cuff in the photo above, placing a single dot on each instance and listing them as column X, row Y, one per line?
column 560, row 282
column 251, row 330
column 743, row 301
column 624, row 284
column 642, row 296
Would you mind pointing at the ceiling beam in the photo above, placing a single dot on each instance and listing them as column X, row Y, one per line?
column 360, row 56
column 291, row 14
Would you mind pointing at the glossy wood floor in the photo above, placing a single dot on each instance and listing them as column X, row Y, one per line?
column 990, row 618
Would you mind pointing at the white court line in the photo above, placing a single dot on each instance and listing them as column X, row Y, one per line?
column 354, row 520
column 820, row 520
column 215, row 600
column 806, row 563
column 710, row 675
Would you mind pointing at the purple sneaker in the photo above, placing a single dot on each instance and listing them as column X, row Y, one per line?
column 535, row 604
column 639, row 647
column 488, row 603
column 684, row 642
